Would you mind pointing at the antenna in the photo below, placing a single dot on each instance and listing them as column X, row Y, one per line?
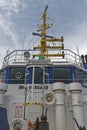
column 43, row 47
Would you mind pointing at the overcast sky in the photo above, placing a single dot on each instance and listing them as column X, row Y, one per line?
column 19, row 18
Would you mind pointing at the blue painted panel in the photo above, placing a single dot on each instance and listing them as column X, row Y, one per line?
column 7, row 75
column 3, row 119
column 72, row 73
column 85, row 66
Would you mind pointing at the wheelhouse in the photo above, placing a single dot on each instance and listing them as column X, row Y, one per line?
column 51, row 74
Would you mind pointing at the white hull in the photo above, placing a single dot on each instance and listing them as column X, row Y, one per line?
column 60, row 114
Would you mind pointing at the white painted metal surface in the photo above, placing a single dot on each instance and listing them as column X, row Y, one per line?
column 59, row 90
column 77, row 105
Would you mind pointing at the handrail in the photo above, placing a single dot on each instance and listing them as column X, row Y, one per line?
column 18, row 56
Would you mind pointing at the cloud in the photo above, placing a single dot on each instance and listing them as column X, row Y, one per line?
column 19, row 18
column 9, row 7
column 8, row 36
column 8, row 10
column 6, row 25
column 77, row 38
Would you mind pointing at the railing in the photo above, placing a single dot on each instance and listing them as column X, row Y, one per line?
column 14, row 56
column 73, row 57
column 18, row 56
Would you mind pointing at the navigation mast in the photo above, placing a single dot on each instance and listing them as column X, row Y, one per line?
column 43, row 47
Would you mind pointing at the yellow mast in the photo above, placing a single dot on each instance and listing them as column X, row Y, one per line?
column 43, row 47
column 43, row 32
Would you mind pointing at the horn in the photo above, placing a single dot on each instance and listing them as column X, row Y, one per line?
column 49, row 99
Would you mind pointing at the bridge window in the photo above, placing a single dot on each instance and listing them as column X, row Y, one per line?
column 38, row 75
column 17, row 75
column 61, row 74
column 81, row 76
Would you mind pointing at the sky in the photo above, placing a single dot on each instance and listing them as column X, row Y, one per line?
column 19, row 18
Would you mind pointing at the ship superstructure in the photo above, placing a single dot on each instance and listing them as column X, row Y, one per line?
column 45, row 87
